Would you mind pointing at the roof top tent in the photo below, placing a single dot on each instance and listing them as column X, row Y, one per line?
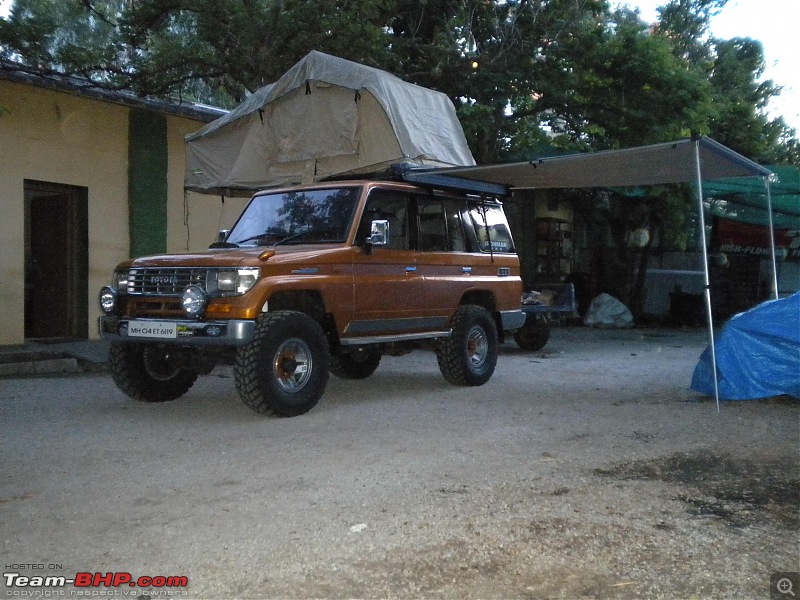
column 325, row 116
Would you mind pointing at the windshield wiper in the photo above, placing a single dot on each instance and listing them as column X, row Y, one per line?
column 300, row 234
column 251, row 238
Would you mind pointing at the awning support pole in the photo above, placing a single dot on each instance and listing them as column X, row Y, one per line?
column 772, row 241
column 705, row 269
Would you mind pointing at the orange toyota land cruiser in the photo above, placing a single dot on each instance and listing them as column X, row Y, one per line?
column 320, row 279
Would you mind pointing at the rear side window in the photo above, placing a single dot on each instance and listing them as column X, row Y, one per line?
column 491, row 228
column 432, row 225
column 440, row 224
column 453, row 210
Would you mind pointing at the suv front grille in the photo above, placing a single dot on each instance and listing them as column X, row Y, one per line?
column 166, row 281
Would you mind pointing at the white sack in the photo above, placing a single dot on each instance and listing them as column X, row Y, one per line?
column 608, row 312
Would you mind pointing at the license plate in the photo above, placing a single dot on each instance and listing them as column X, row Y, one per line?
column 153, row 329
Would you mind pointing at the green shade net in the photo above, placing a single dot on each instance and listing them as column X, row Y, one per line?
column 745, row 199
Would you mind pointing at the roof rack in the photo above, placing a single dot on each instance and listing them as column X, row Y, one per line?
column 430, row 177
column 449, row 182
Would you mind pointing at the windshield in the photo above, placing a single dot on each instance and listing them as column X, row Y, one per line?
column 296, row 217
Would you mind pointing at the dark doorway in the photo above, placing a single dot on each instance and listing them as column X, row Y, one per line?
column 56, row 261
column 737, row 285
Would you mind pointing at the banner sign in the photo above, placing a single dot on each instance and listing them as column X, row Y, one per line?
column 733, row 237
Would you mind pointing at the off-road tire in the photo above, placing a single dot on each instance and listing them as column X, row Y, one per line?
column 284, row 369
column 468, row 357
column 135, row 369
column 534, row 334
column 358, row 365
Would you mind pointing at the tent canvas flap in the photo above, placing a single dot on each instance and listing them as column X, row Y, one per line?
column 286, row 137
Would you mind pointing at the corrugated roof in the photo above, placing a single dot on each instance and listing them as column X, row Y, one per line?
column 17, row 73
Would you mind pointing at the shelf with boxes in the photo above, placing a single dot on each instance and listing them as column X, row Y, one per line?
column 553, row 249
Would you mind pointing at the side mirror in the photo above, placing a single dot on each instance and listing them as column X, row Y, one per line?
column 379, row 233
column 222, row 235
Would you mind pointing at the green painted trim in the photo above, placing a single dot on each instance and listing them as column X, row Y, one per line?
column 147, row 182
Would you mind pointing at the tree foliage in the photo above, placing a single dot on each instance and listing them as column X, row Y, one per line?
column 740, row 120
column 522, row 73
column 526, row 76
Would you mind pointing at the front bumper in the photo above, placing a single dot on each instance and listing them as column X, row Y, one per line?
column 177, row 331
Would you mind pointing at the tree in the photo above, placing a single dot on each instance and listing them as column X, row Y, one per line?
column 716, row 89
column 215, row 49
column 734, row 68
column 523, row 74
column 741, row 102
column 63, row 37
column 631, row 89
column 515, row 69
column 686, row 23
column 500, row 62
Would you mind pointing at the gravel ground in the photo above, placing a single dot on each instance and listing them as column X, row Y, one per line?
column 587, row 470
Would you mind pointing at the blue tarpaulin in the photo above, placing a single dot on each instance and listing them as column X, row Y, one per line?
column 758, row 354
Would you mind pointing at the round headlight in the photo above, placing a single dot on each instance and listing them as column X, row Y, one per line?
column 194, row 301
column 108, row 300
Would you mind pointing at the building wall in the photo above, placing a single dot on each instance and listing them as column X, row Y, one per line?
column 62, row 138
column 525, row 214
column 148, row 166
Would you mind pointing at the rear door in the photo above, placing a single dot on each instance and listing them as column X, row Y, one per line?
column 443, row 261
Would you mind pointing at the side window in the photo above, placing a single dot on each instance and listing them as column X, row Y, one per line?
column 432, row 225
column 391, row 206
column 455, row 227
column 440, row 224
column 491, row 229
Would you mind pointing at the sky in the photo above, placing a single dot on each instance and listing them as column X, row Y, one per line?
column 773, row 22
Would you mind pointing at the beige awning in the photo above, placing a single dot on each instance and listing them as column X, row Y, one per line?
column 671, row 162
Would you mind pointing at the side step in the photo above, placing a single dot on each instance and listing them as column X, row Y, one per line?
column 387, row 339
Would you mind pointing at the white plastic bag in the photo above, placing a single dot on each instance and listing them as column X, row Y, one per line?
column 607, row 311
